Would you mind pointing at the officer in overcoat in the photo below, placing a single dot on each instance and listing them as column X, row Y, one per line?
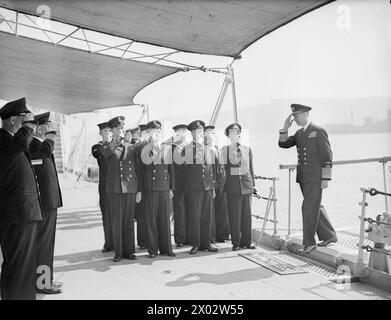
column 200, row 178
column 239, row 186
column 105, row 133
column 123, row 188
column 158, row 186
column 179, row 200
column 20, row 209
column 313, row 173
column 41, row 150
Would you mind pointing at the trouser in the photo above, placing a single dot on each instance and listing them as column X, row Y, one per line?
column 179, row 202
column 122, row 208
column 18, row 272
column 221, row 215
column 239, row 211
column 157, row 216
column 142, row 239
column 46, row 239
column 200, row 206
column 315, row 219
column 106, row 219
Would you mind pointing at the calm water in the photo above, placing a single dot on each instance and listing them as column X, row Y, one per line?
column 343, row 195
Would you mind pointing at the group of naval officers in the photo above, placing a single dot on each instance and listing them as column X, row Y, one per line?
column 140, row 176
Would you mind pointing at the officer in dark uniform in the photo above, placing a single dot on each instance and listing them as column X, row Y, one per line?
column 220, row 223
column 20, row 209
column 135, row 132
column 123, row 188
column 200, row 177
column 105, row 133
column 313, row 173
column 179, row 201
column 41, row 151
column 158, row 185
column 239, row 186
column 140, row 216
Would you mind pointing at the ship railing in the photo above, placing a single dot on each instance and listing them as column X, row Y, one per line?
column 292, row 167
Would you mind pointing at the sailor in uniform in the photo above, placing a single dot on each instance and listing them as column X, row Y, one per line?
column 239, row 186
column 220, row 223
column 158, row 185
column 313, row 173
column 140, row 216
column 179, row 201
column 135, row 135
column 20, row 209
column 123, row 189
column 96, row 150
column 41, row 150
column 200, row 177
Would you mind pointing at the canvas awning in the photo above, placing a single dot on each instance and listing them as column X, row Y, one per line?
column 68, row 80
column 217, row 27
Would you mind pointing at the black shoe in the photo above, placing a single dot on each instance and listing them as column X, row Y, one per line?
column 250, row 247
column 235, row 248
column 210, row 248
column 52, row 290
column 213, row 241
column 142, row 247
column 117, row 259
column 152, row 255
column 327, row 242
column 179, row 245
column 220, row 241
column 172, row 254
column 307, row 249
column 130, row 257
column 106, row 250
column 194, row 250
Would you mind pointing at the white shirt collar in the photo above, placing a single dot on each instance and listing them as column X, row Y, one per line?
column 38, row 139
column 9, row 132
column 306, row 126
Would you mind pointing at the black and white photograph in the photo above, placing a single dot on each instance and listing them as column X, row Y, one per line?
column 195, row 155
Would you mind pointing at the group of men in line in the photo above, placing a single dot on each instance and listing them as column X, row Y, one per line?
column 211, row 191
column 210, row 188
column 29, row 198
column 142, row 177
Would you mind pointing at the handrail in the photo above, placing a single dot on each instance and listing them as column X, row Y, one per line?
column 341, row 162
column 292, row 167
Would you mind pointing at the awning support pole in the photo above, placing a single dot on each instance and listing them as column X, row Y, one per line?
column 231, row 71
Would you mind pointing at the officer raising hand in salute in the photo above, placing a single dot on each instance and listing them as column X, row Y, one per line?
column 313, row 173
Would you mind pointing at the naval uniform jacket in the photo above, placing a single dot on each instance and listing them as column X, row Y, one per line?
column 179, row 167
column 102, row 164
column 19, row 195
column 200, row 174
column 239, row 170
column 123, row 170
column 314, row 155
column 46, row 173
column 156, row 174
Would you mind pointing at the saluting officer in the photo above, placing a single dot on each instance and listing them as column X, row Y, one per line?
column 313, row 173
column 220, row 223
column 142, row 239
column 135, row 135
column 41, row 151
column 179, row 201
column 20, row 209
column 123, row 189
column 158, row 185
column 239, row 186
column 200, row 177
column 105, row 133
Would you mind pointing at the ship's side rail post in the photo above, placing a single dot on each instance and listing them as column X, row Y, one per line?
column 360, row 258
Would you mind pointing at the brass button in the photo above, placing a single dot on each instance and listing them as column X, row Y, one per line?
column 153, row 178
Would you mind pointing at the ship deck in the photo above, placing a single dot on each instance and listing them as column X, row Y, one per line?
column 87, row 273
